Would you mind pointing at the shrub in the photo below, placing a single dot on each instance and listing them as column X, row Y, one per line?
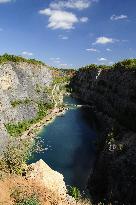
column 74, row 192
column 15, row 156
column 16, row 130
column 19, row 102
column 38, row 88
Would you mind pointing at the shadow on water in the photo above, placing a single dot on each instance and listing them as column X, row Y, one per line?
column 69, row 141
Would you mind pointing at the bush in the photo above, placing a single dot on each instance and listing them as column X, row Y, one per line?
column 19, row 102
column 74, row 192
column 16, row 130
column 15, row 156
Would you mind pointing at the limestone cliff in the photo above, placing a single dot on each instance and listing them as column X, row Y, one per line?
column 22, row 86
column 112, row 94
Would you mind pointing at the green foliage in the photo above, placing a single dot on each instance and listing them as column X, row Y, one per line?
column 126, row 64
column 60, row 80
column 15, row 156
column 17, row 129
column 74, row 192
column 29, row 201
column 93, row 66
column 42, row 110
column 48, row 90
column 19, row 102
column 38, row 88
column 17, row 59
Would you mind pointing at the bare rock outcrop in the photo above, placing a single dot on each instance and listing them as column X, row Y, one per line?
column 52, row 180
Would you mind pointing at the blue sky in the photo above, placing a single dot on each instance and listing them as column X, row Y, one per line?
column 69, row 33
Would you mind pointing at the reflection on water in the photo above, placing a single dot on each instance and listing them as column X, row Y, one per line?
column 70, row 143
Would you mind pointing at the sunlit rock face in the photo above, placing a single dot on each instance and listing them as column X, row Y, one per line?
column 52, row 180
column 21, row 82
column 48, row 177
column 112, row 94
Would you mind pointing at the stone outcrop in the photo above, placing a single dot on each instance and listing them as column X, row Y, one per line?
column 51, row 179
column 42, row 174
column 112, row 94
column 25, row 83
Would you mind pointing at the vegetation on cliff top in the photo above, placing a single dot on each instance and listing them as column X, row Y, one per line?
column 17, row 59
column 125, row 64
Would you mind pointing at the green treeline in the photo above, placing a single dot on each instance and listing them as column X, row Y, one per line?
column 125, row 64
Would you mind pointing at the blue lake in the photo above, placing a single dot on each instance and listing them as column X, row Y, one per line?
column 70, row 146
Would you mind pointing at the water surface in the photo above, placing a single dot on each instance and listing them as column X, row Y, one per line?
column 70, row 146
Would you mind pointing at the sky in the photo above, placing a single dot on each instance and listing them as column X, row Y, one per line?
column 69, row 33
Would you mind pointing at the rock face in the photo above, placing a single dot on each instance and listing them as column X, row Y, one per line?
column 49, row 178
column 24, row 83
column 41, row 173
column 112, row 94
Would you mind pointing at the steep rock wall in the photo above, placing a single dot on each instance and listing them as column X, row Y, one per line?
column 112, row 94
column 25, row 83
column 112, row 91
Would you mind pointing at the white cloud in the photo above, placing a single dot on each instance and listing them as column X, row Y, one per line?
column 92, row 49
column 26, row 53
column 120, row 17
column 63, row 37
column 84, row 19
column 4, row 1
column 104, row 40
column 102, row 59
column 55, row 58
column 108, row 49
column 60, row 19
column 71, row 4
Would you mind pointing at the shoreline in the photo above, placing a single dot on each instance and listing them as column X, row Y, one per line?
column 32, row 132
